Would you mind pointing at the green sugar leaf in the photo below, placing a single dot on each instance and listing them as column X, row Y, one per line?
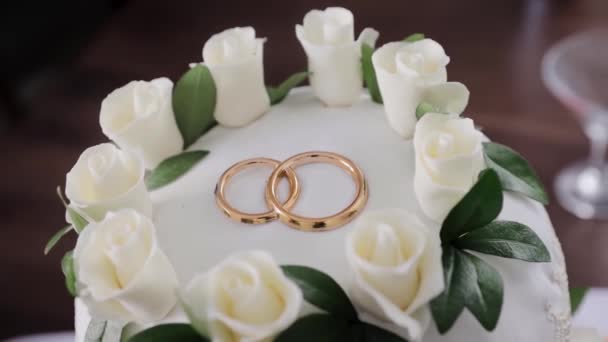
column 60, row 195
column 279, row 93
column 506, row 239
column 414, row 37
column 318, row 328
column 330, row 328
column 480, row 206
column 56, row 237
column 470, row 283
column 369, row 73
column 67, row 267
column 77, row 220
column 173, row 168
column 321, row 290
column 484, row 293
column 514, row 171
column 577, row 294
column 370, row 333
column 169, row 332
column 451, row 302
column 194, row 99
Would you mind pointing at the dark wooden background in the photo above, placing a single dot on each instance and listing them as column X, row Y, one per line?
column 495, row 46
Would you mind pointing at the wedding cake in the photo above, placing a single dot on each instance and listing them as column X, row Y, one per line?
column 399, row 219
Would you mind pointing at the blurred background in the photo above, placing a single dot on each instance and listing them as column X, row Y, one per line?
column 59, row 59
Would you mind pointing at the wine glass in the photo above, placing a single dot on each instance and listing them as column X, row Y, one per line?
column 576, row 71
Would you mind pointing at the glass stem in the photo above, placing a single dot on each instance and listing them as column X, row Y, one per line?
column 597, row 156
column 597, row 132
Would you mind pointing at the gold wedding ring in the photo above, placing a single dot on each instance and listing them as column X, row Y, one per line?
column 322, row 223
column 280, row 210
column 255, row 218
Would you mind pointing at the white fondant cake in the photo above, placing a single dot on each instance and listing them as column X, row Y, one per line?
column 196, row 235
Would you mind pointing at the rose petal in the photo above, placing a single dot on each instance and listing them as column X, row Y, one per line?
column 449, row 97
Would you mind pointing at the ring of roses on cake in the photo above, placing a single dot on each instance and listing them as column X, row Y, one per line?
column 459, row 181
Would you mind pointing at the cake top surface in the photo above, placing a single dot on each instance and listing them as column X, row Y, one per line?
column 297, row 125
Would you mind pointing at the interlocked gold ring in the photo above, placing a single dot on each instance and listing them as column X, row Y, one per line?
column 256, row 218
column 322, row 223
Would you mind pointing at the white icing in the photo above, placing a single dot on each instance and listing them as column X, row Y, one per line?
column 196, row 235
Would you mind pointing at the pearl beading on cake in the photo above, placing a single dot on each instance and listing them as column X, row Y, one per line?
column 559, row 314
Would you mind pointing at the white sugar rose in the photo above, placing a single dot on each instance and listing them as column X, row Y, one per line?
column 244, row 298
column 105, row 179
column 405, row 71
column 235, row 59
column 449, row 157
column 122, row 275
column 448, row 97
column 396, row 261
column 585, row 335
column 139, row 118
column 334, row 57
